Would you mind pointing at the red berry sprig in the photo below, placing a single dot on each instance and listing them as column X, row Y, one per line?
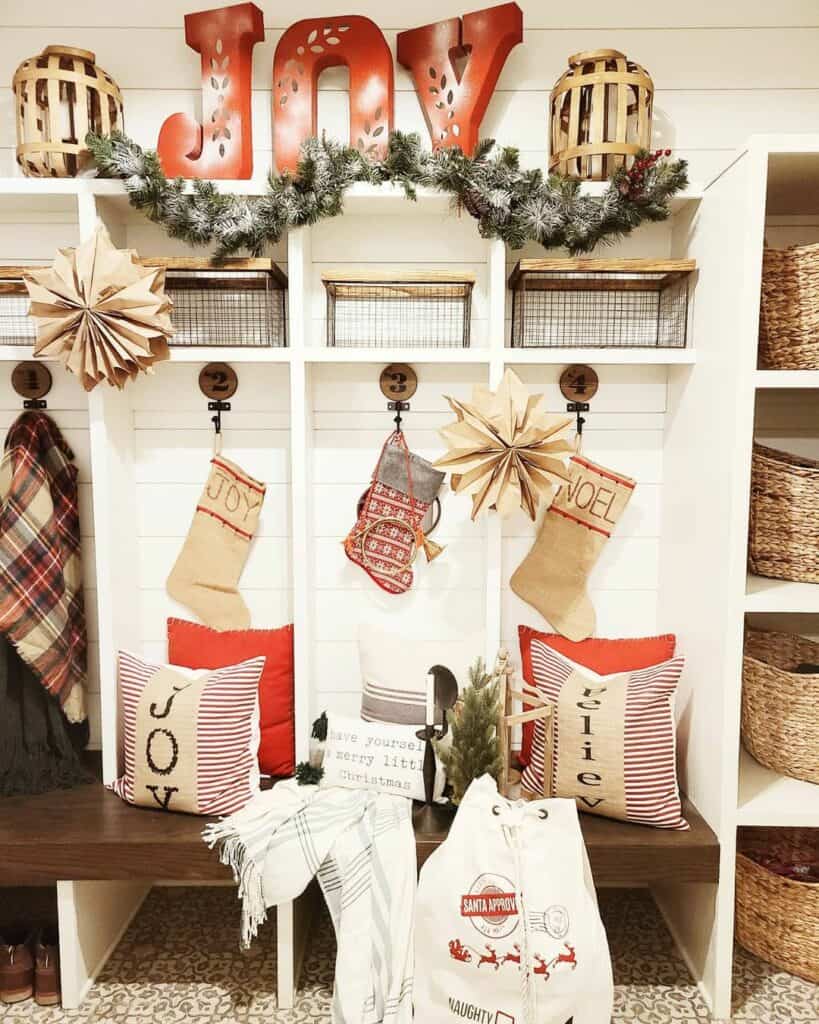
column 634, row 180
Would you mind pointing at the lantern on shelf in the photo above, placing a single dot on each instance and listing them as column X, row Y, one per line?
column 59, row 97
column 600, row 115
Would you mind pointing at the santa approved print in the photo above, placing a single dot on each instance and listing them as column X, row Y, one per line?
column 507, row 926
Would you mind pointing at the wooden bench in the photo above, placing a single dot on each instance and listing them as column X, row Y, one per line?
column 104, row 855
column 88, row 833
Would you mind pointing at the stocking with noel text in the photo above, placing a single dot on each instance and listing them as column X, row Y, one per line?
column 553, row 577
column 389, row 529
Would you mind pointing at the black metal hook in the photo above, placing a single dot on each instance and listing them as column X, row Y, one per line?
column 35, row 403
column 218, row 408
column 398, row 408
column 577, row 408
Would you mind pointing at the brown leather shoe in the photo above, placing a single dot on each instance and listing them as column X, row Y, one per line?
column 47, row 968
column 16, row 967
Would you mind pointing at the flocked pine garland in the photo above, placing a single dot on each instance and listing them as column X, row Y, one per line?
column 508, row 202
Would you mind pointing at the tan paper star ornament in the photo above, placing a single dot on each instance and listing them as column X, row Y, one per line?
column 103, row 314
column 504, row 450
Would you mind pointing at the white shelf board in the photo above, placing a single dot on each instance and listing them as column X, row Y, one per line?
column 229, row 354
column 397, row 355
column 768, row 798
column 786, row 378
column 624, row 356
column 179, row 354
column 767, row 595
column 16, row 353
column 361, row 198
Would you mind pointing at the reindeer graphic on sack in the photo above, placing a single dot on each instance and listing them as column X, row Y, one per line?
column 507, row 927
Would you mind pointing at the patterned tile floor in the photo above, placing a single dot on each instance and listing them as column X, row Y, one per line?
column 174, row 965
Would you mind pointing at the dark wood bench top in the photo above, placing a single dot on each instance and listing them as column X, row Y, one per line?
column 88, row 833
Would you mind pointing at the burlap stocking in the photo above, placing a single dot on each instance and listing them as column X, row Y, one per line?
column 552, row 578
column 206, row 574
column 386, row 536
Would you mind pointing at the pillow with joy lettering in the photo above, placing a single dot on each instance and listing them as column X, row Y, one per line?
column 191, row 738
column 612, row 744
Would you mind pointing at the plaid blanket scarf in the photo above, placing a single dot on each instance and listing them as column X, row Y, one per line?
column 361, row 847
column 41, row 598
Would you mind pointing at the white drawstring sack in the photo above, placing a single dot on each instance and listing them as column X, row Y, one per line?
column 507, row 928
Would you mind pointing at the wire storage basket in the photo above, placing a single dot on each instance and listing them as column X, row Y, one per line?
column 566, row 303
column 16, row 326
column 425, row 310
column 238, row 302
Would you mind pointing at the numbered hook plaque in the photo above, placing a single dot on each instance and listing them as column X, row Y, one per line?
column 218, row 382
column 32, row 382
column 398, row 383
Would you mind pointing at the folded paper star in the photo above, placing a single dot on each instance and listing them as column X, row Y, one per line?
column 103, row 314
column 504, row 450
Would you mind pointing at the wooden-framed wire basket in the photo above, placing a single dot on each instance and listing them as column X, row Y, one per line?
column 783, row 535
column 16, row 326
column 60, row 96
column 789, row 309
column 600, row 115
column 427, row 309
column 591, row 303
column 777, row 918
column 241, row 302
column 780, row 702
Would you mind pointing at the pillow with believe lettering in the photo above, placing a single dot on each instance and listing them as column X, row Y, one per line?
column 379, row 756
column 602, row 655
column 613, row 746
column 191, row 738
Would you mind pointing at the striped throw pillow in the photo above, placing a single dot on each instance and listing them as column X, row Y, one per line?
column 612, row 742
column 191, row 738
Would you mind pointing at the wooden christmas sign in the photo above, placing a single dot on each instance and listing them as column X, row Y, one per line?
column 222, row 145
column 310, row 47
column 455, row 65
column 454, row 95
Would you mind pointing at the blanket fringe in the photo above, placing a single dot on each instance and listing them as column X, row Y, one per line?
column 233, row 854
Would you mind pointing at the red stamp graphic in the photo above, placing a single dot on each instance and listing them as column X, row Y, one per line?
column 491, row 905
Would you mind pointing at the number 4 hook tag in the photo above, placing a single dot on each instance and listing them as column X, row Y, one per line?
column 578, row 383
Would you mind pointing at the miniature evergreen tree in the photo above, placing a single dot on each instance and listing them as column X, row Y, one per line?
column 474, row 749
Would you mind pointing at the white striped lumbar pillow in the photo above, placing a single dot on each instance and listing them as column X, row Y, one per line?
column 613, row 745
column 191, row 738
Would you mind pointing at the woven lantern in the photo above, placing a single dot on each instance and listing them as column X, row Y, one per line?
column 60, row 96
column 601, row 115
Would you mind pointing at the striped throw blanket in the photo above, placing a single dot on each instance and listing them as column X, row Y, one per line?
column 41, row 600
column 360, row 846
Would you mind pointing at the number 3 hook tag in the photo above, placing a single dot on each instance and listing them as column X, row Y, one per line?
column 398, row 383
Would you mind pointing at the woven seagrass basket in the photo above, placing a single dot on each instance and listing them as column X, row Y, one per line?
column 777, row 918
column 783, row 539
column 789, row 314
column 780, row 707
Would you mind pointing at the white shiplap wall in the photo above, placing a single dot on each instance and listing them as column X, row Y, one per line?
column 173, row 440
column 722, row 70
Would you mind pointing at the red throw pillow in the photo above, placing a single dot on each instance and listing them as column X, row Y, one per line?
column 195, row 646
column 605, row 657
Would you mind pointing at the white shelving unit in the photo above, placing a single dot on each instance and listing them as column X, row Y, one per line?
column 767, row 798
column 308, row 420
